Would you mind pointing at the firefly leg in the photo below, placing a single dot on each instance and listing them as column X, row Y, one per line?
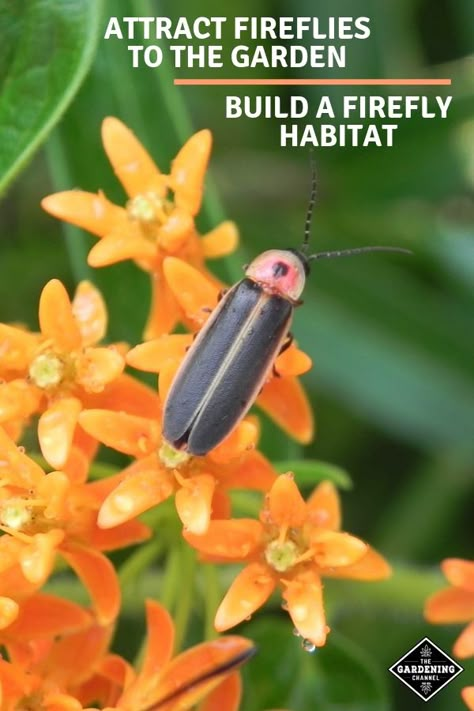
column 284, row 348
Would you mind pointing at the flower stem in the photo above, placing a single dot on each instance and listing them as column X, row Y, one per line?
column 185, row 598
column 212, row 597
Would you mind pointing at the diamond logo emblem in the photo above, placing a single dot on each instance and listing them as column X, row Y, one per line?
column 425, row 669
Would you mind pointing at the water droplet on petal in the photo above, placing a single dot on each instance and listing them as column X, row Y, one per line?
column 21, row 449
column 296, row 632
column 247, row 619
column 308, row 646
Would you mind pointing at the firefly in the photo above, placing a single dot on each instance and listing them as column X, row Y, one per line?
column 234, row 353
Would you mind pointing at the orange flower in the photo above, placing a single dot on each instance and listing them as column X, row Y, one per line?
column 282, row 397
column 467, row 695
column 59, row 661
column 456, row 604
column 293, row 544
column 206, row 670
column 54, row 647
column 199, row 483
column 151, row 225
column 61, row 370
column 42, row 514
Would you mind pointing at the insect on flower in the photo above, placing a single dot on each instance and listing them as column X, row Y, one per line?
column 233, row 354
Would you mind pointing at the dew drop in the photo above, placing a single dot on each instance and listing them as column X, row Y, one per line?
column 21, row 449
column 295, row 632
column 247, row 619
column 308, row 646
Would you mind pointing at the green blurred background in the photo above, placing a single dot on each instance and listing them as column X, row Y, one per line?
column 391, row 337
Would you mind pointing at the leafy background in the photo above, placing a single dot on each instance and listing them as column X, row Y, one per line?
column 391, row 337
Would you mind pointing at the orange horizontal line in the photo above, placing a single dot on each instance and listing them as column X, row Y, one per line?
column 315, row 82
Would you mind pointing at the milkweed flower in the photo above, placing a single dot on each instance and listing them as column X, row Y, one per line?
column 66, row 665
column 199, row 484
column 293, row 545
column 456, row 604
column 54, row 647
column 282, row 396
column 157, row 220
column 45, row 514
column 63, row 368
column 179, row 683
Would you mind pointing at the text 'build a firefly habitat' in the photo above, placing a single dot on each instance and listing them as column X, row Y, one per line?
column 352, row 119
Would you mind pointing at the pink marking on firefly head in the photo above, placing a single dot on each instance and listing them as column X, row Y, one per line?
column 279, row 271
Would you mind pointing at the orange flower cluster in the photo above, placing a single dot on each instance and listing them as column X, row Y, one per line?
column 73, row 393
column 456, row 604
column 66, row 665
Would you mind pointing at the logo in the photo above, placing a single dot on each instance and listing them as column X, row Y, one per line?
column 425, row 669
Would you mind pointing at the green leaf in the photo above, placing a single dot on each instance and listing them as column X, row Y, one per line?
column 309, row 472
column 340, row 676
column 48, row 46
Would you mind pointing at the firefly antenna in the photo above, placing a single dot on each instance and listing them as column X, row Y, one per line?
column 357, row 250
column 311, row 204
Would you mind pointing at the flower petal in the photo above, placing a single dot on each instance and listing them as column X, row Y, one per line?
column 459, row 573
column 333, row 549
column 450, row 605
column 92, row 212
column 464, row 645
column 324, row 507
column 286, row 505
column 468, row 697
column 196, row 672
column 137, row 493
column 126, row 433
column 16, row 348
column 37, row 558
column 153, row 355
column 193, row 291
column 27, row 473
column 129, row 395
column 175, row 232
column 160, row 640
column 9, row 610
column 121, row 244
column 304, row 598
column 99, row 578
column 225, row 697
column 90, row 312
column 127, row 534
column 56, row 429
column 19, row 399
column 371, row 566
column 45, row 615
column 167, row 375
column 73, row 658
column 97, row 367
column 164, row 309
column 131, row 163
column 193, row 502
column 56, row 317
column 236, row 539
column 54, row 489
column 249, row 591
column 220, row 241
column 285, row 402
column 242, row 439
column 252, row 471
column 188, row 170
column 292, row 362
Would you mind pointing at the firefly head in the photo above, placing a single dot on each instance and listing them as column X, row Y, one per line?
column 281, row 272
